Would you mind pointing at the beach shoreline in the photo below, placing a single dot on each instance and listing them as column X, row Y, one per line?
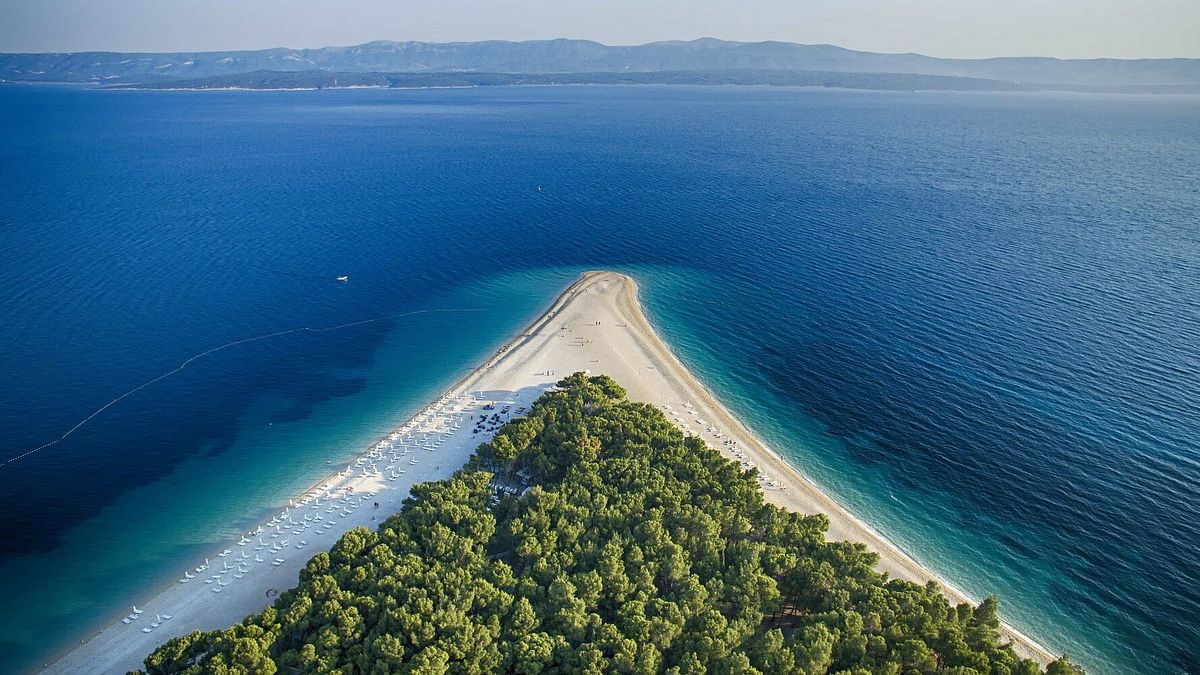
column 596, row 324
column 71, row 658
column 844, row 524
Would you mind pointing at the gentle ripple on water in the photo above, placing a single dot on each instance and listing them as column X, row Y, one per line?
column 973, row 317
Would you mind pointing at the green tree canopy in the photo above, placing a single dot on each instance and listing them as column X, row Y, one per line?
column 638, row 550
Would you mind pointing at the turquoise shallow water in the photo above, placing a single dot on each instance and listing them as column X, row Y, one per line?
column 139, row 542
column 972, row 317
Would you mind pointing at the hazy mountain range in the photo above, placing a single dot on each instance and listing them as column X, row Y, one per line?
column 708, row 58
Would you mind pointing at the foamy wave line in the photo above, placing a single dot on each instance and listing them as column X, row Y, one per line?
column 205, row 353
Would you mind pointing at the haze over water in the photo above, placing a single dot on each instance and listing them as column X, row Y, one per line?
column 973, row 318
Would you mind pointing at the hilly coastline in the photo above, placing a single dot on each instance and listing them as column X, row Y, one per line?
column 703, row 61
column 318, row 79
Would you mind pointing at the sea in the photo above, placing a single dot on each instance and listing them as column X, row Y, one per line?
column 974, row 318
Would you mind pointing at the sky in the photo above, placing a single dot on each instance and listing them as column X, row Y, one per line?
column 949, row 28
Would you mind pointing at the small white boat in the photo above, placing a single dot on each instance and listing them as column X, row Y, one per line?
column 344, row 278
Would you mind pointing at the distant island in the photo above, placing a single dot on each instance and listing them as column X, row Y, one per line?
column 705, row 61
column 317, row 79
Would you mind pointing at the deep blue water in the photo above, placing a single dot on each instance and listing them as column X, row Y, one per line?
column 974, row 318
